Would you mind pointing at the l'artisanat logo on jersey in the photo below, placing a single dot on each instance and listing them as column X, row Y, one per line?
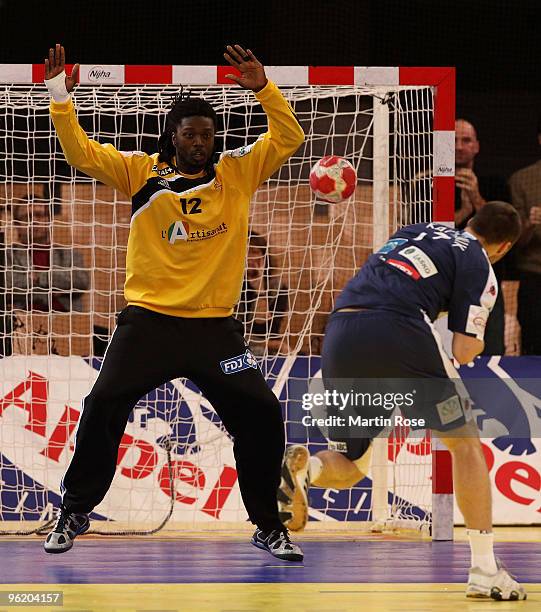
column 180, row 230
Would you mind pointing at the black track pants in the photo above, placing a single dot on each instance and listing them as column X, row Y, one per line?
column 148, row 349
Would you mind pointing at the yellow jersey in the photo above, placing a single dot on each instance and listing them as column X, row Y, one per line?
column 188, row 233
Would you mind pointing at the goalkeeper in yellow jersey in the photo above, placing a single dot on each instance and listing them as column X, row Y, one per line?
column 184, row 270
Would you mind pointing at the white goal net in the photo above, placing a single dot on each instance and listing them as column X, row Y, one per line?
column 63, row 242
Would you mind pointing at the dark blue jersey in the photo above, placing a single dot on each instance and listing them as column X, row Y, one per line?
column 428, row 268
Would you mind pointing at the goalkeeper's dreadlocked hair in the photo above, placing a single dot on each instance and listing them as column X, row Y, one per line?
column 182, row 105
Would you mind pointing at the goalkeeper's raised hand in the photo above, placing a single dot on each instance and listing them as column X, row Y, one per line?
column 252, row 74
column 55, row 66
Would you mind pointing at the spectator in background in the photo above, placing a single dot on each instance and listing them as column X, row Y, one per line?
column 472, row 192
column 39, row 275
column 264, row 300
column 525, row 187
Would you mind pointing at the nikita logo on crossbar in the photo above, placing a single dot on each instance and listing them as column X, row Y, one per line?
column 239, row 363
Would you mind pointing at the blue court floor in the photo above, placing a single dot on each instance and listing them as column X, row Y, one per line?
column 170, row 561
column 230, row 575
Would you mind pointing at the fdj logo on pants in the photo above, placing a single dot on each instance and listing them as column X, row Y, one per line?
column 239, row 363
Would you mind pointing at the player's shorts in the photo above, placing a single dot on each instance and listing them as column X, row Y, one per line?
column 371, row 353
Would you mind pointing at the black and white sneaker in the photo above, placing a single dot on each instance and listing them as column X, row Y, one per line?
column 279, row 545
column 68, row 526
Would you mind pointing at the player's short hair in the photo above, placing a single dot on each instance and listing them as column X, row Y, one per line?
column 182, row 106
column 497, row 222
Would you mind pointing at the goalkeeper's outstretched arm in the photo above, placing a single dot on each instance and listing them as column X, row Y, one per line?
column 251, row 165
column 126, row 172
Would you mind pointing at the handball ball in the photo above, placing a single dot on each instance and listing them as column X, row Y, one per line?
column 333, row 179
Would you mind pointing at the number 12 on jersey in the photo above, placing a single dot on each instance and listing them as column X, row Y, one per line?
column 190, row 206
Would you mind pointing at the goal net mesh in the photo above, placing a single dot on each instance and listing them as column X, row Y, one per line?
column 63, row 240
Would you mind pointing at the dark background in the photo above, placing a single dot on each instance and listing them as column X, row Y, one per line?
column 495, row 46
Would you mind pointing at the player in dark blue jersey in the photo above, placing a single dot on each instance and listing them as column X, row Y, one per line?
column 381, row 334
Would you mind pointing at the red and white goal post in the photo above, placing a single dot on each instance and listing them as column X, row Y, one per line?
column 396, row 125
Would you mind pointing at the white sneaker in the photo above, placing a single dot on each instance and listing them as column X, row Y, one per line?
column 279, row 545
column 67, row 527
column 501, row 586
column 293, row 490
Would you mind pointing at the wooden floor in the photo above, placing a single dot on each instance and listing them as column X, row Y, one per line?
column 227, row 574
column 289, row 597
